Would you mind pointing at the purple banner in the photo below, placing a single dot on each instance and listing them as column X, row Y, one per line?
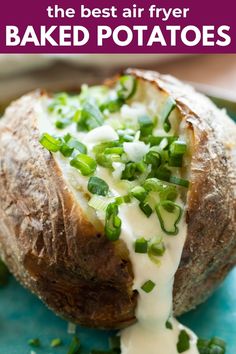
column 116, row 26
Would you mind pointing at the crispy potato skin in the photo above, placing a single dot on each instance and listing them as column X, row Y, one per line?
column 51, row 247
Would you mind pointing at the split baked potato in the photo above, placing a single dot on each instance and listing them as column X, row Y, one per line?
column 55, row 245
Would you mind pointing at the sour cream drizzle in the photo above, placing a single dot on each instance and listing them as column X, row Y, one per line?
column 149, row 335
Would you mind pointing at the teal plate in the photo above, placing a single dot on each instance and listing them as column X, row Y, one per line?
column 23, row 316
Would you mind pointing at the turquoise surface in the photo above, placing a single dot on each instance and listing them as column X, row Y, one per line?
column 23, row 316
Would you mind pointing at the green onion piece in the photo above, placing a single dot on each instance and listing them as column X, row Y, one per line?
column 148, row 286
column 146, row 209
column 175, row 161
column 112, row 222
column 169, row 325
column 66, row 150
column 153, row 158
column 169, row 106
column 100, row 148
column 133, row 170
column 163, row 174
column 178, row 147
column 63, row 123
column 75, row 346
column 179, row 181
column 77, row 145
column 166, row 192
column 114, row 344
column 99, row 202
column 183, row 341
column 203, row 346
column 97, row 186
column 169, row 215
column 107, row 160
column 114, row 150
column 56, row 342
column 89, row 117
column 218, row 341
column 146, row 125
column 139, row 193
column 50, row 143
column 34, row 342
column 84, row 163
column 212, row 346
column 141, row 245
column 112, row 105
column 103, row 153
column 157, row 248
column 123, row 199
column 4, row 274
column 127, row 87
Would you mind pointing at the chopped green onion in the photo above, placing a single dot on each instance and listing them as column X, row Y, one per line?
column 77, row 145
column 218, row 341
column 112, row 105
column 75, row 346
column 169, row 325
column 56, row 342
column 157, row 249
column 169, row 215
column 212, row 346
column 163, row 173
column 168, row 107
column 148, row 286
column 97, row 186
column 66, row 150
column 84, row 163
column 146, row 209
column 4, row 274
column 112, row 222
column 166, row 192
column 178, row 147
column 63, row 123
column 153, row 158
column 179, row 181
column 103, row 153
column 127, row 87
column 50, row 143
column 99, row 203
column 114, row 150
column 123, row 199
column 139, row 193
column 146, row 125
column 133, row 170
column 89, row 117
column 183, row 341
column 141, row 245
column 34, row 342
column 175, row 161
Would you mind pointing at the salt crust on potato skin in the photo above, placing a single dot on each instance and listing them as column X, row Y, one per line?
column 51, row 247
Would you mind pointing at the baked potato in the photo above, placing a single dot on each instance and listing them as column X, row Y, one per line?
column 53, row 241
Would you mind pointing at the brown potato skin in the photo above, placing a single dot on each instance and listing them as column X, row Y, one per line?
column 53, row 250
